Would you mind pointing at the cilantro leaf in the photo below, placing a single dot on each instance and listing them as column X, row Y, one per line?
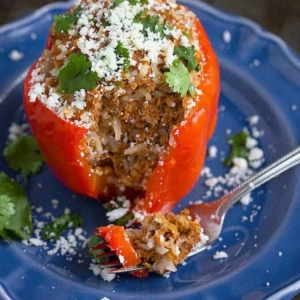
column 121, row 51
column 149, row 23
column 125, row 219
column 161, row 29
column 117, row 3
column 105, row 23
column 76, row 74
column 55, row 228
column 24, row 155
column 134, row 2
column 178, row 78
column 19, row 222
column 7, row 209
column 188, row 55
column 64, row 22
column 94, row 241
column 138, row 17
column 238, row 147
column 192, row 90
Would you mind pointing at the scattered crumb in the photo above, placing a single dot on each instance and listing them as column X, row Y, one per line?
column 280, row 253
column 220, row 255
column 33, row 36
column 212, row 151
column 256, row 63
column 15, row 55
column 267, row 284
column 226, row 36
column 294, row 107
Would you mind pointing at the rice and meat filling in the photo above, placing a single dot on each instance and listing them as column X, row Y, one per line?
column 131, row 109
column 165, row 241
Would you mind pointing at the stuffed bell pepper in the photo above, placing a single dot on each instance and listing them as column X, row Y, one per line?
column 124, row 98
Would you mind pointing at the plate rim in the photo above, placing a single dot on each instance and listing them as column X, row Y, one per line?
column 258, row 30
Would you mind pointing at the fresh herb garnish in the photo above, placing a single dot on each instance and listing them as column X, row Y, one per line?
column 138, row 17
column 187, row 54
column 94, row 241
column 125, row 219
column 162, row 29
column 115, row 204
column 76, row 74
column 134, row 2
column 15, row 213
column 105, row 23
column 64, row 22
column 238, row 147
column 55, row 228
column 178, row 78
column 24, row 155
column 192, row 90
column 121, row 51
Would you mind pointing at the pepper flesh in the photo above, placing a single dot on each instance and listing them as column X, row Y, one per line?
column 63, row 144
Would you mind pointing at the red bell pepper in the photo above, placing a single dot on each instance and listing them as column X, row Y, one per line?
column 62, row 144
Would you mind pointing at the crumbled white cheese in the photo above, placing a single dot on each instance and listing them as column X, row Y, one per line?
column 226, row 36
column 253, row 120
column 212, row 151
column 15, row 55
column 246, row 200
column 220, row 255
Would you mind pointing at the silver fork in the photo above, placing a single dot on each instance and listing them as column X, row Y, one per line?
column 212, row 214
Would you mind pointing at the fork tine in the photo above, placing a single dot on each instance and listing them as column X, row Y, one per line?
column 100, row 246
column 125, row 270
column 112, row 264
column 106, row 254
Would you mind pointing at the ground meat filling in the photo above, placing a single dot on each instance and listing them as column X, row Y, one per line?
column 132, row 110
column 164, row 241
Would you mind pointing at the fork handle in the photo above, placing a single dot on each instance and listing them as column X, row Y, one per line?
column 279, row 166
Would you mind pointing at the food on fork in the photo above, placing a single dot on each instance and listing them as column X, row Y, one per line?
column 160, row 244
column 124, row 98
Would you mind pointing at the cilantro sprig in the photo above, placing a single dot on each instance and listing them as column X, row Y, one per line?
column 76, row 74
column 56, row 228
column 187, row 54
column 121, row 51
column 179, row 78
column 238, row 147
column 24, row 155
column 64, row 22
column 15, row 213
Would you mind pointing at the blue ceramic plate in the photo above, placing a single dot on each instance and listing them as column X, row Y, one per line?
column 260, row 75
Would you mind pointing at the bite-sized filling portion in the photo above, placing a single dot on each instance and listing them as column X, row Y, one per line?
column 160, row 243
column 128, row 71
column 163, row 242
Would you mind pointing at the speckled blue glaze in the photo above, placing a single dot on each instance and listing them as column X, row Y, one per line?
column 268, row 89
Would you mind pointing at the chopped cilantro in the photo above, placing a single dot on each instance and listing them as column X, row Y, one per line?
column 15, row 213
column 178, row 78
column 55, row 228
column 115, row 204
column 238, row 147
column 161, row 29
column 186, row 33
column 121, row 51
column 64, row 22
column 76, row 74
column 138, row 17
column 105, row 23
column 134, row 2
column 125, row 219
column 94, row 241
column 192, row 90
column 24, row 155
column 149, row 23
column 117, row 3
column 188, row 55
